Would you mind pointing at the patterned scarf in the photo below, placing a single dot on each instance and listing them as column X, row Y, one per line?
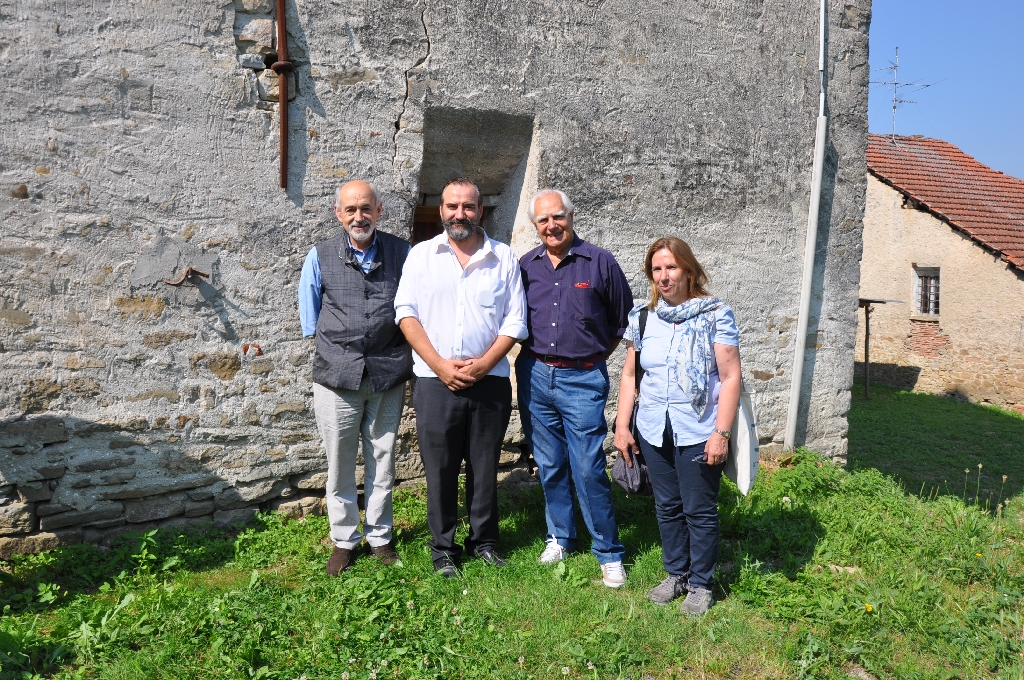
column 693, row 366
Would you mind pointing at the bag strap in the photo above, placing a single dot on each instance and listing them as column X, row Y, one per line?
column 638, row 369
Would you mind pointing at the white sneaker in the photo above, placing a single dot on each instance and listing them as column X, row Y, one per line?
column 553, row 553
column 613, row 574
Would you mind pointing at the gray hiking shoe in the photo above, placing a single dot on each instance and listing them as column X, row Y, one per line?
column 697, row 603
column 667, row 590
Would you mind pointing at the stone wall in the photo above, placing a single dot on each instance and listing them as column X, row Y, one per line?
column 141, row 138
column 975, row 347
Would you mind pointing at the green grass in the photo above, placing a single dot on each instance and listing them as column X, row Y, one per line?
column 927, row 442
column 821, row 569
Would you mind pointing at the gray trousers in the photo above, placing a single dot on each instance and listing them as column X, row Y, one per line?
column 342, row 416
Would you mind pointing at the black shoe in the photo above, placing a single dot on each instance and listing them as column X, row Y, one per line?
column 446, row 568
column 490, row 556
column 340, row 560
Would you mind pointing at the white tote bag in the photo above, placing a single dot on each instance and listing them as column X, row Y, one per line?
column 744, row 449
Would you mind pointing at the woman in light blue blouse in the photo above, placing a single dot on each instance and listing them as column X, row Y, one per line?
column 689, row 394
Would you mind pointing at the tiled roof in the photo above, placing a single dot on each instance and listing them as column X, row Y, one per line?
column 983, row 203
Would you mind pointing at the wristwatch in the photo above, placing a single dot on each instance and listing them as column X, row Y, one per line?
column 724, row 433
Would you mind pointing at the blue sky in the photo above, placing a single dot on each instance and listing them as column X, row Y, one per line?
column 976, row 49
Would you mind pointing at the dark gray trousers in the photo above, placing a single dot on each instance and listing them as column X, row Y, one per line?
column 467, row 425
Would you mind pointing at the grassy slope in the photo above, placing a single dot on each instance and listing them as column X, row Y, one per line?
column 821, row 568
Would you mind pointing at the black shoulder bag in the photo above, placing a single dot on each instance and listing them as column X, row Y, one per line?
column 634, row 480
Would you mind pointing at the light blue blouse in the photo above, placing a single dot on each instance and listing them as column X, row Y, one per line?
column 660, row 391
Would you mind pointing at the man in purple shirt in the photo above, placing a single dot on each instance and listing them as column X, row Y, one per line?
column 578, row 303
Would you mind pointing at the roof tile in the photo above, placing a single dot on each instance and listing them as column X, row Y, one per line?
column 984, row 203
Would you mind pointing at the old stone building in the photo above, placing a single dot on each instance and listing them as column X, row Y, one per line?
column 141, row 138
column 944, row 234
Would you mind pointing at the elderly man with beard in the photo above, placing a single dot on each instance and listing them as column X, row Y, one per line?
column 347, row 301
column 460, row 304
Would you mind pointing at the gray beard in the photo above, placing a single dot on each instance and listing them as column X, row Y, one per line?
column 459, row 231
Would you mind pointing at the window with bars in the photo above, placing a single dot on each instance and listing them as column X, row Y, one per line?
column 926, row 290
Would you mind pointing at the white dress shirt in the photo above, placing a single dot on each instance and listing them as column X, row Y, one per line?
column 463, row 311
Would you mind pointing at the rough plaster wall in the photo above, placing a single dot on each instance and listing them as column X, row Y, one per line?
column 981, row 347
column 144, row 145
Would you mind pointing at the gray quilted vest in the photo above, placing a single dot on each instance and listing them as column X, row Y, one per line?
column 356, row 330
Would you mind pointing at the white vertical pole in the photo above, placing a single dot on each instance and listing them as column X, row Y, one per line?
column 809, row 248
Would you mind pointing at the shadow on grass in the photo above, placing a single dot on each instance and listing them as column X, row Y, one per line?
column 44, row 581
column 927, row 442
column 780, row 536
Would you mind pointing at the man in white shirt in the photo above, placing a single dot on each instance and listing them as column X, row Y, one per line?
column 460, row 304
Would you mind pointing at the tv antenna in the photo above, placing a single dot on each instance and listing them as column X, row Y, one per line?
column 898, row 87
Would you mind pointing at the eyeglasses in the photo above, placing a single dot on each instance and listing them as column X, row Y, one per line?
column 560, row 216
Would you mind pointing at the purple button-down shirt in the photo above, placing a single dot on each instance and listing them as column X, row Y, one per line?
column 579, row 309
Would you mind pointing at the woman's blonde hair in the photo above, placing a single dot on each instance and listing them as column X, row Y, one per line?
column 684, row 257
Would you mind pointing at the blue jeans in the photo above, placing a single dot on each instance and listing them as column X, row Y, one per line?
column 562, row 410
column 686, row 503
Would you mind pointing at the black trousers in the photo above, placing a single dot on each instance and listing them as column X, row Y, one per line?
column 467, row 425
column 686, row 503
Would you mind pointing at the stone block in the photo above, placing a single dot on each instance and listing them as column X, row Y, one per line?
column 33, row 492
column 266, row 86
column 253, row 61
column 261, row 366
column 261, row 32
column 298, row 508
column 198, row 508
column 228, row 518
column 310, row 480
column 37, row 394
column 254, row 6
column 77, row 362
column 45, row 509
column 150, row 509
column 17, row 518
column 166, row 486
column 100, row 511
column 106, row 463
column 35, row 432
column 36, row 543
column 165, row 338
column 119, row 477
column 241, row 495
column 288, row 407
column 52, row 471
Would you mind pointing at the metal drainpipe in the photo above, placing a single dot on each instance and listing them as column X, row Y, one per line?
column 282, row 67
column 809, row 247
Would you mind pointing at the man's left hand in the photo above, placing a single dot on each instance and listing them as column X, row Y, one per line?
column 477, row 368
column 717, row 449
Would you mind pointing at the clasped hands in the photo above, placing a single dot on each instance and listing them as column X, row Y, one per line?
column 458, row 374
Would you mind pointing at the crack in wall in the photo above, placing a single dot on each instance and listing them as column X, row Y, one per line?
column 405, row 101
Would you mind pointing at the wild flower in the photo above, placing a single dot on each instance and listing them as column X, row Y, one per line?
column 522, row 660
column 590, row 665
column 345, row 676
column 383, row 663
column 426, row 660
column 977, row 554
column 409, row 604
column 565, row 670
column 868, row 608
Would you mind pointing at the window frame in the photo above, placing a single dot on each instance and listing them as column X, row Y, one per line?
column 927, row 281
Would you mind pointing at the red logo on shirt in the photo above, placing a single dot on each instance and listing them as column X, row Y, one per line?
column 582, row 284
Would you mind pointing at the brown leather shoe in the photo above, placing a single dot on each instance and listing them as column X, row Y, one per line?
column 339, row 561
column 385, row 553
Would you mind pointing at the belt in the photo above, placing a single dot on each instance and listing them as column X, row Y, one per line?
column 563, row 362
